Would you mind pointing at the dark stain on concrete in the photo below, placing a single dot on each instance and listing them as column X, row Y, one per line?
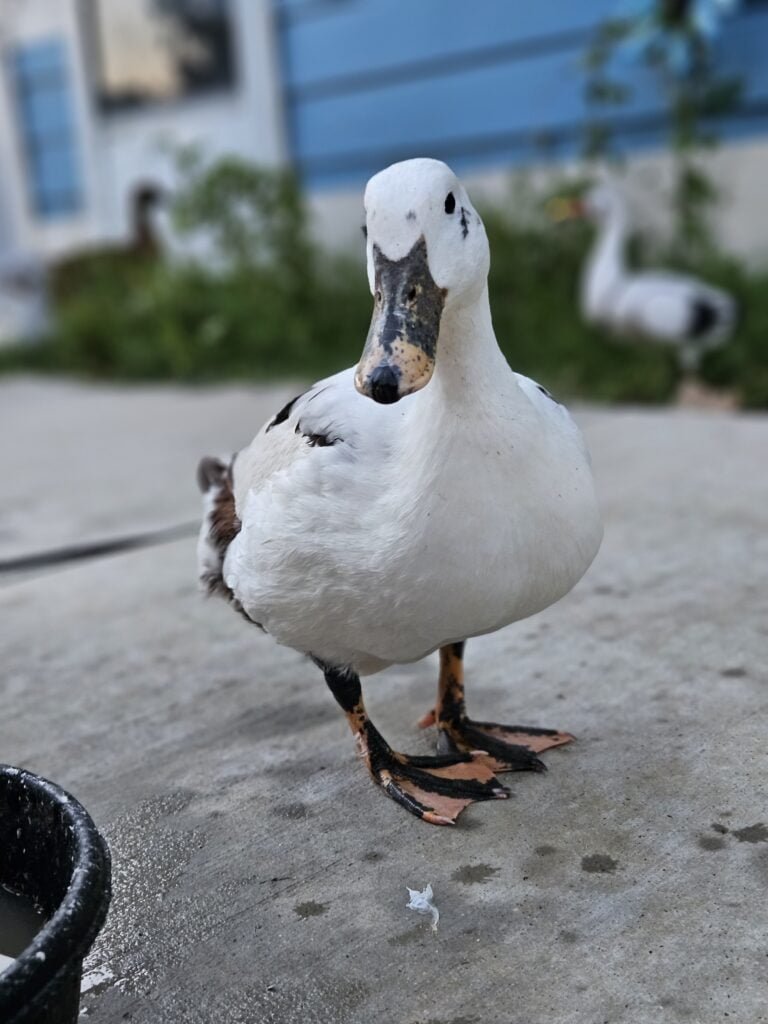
column 722, row 829
column 310, row 909
column 735, row 672
column 293, row 812
column 681, row 1011
column 545, row 850
column 752, row 833
column 711, row 842
column 474, row 874
column 407, row 938
column 569, row 937
column 599, row 864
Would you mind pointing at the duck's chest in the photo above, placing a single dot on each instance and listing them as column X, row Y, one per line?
column 496, row 521
column 458, row 531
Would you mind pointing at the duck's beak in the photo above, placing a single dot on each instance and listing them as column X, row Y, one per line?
column 562, row 208
column 399, row 354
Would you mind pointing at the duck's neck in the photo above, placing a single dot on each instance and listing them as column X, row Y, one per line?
column 469, row 360
column 605, row 267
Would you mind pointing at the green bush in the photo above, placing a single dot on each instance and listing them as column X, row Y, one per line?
column 269, row 303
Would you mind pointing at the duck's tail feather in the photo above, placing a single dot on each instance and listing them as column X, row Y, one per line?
column 220, row 522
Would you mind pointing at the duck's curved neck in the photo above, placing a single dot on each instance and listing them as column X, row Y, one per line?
column 468, row 356
column 605, row 266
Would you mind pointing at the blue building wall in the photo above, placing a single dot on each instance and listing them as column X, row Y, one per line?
column 480, row 83
column 42, row 92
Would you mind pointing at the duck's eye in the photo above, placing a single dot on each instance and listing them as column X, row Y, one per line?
column 411, row 294
column 450, row 203
column 378, row 295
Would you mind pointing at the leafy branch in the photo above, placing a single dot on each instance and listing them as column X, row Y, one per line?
column 674, row 40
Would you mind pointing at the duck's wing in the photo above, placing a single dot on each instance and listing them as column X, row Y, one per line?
column 674, row 308
column 302, row 488
column 542, row 400
column 330, row 415
column 321, row 417
column 554, row 413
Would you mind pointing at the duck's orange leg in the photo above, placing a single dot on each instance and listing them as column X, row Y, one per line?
column 436, row 789
column 511, row 747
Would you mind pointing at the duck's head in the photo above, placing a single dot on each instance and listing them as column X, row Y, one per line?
column 600, row 203
column 427, row 255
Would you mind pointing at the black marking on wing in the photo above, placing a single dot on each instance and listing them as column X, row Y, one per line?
column 316, row 393
column 704, row 316
column 284, row 413
column 321, row 440
column 549, row 394
column 318, row 440
column 464, row 223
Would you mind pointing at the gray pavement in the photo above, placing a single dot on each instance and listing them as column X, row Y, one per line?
column 259, row 876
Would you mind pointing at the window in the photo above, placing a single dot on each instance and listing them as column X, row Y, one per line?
column 150, row 51
column 45, row 117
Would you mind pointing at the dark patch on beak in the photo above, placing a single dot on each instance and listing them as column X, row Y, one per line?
column 385, row 385
column 399, row 353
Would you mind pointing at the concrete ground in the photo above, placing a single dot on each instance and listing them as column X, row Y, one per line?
column 258, row 874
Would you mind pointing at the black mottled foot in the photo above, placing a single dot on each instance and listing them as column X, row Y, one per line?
column 512, row 748
column 436, row 789
column 509, row 747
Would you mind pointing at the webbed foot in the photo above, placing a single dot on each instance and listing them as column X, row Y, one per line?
column 510, row 748
column 436, row 789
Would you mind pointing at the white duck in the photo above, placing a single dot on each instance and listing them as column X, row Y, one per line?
column 657, row 305
column 428, row 495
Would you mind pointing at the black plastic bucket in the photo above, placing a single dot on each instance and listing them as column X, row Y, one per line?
column 52, row 854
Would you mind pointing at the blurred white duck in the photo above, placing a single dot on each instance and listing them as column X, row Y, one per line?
column 657, row 305
column 428, row 495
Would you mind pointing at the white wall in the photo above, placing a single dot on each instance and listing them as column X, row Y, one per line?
column 31, row 22
column 120, row 149
column 740, row 171
column 134, row 146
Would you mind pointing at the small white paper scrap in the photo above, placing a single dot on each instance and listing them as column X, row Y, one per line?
column 422, row 903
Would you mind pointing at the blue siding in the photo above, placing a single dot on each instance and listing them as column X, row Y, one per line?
column 494, row 81
column 529, row 96
column 46, row 125
column 363, row 35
